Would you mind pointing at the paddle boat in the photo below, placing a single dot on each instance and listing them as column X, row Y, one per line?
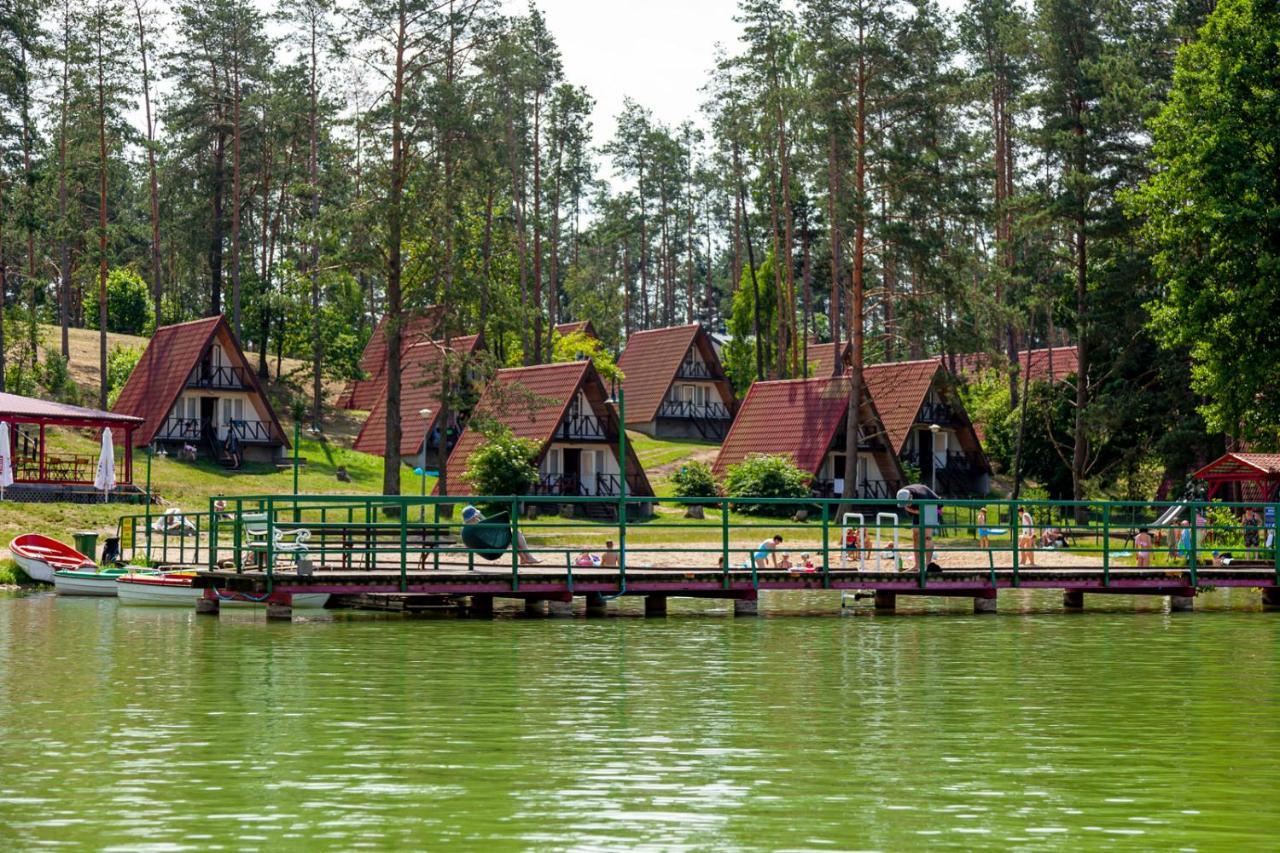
column 175, row 589
column 100, row 581
column 39, row 556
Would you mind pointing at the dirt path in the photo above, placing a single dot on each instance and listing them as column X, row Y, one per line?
column 702, row 454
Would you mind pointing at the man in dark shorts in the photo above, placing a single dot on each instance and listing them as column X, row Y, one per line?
column 926, row 519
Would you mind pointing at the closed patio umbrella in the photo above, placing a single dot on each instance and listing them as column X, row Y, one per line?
column 105, row 479
column 6, row 460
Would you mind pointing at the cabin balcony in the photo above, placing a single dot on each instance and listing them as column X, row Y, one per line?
column 223, row 377
column 695, row 370
column 686, row 409
column 584, row 428
column 883, row 490
column 192, row 430
column 937, row 413
column 575, row 485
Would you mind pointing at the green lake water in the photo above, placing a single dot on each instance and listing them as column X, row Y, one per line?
column 1129, row 727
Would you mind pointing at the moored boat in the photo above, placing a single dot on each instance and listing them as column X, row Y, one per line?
column 91, row 581
column 175, row 589
column 39, row 556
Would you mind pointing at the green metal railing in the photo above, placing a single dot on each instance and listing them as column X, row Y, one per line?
column 385, row 534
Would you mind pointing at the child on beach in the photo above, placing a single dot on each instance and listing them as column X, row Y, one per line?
column 984, row 532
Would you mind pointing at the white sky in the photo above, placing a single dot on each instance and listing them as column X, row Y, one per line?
column 658, row 52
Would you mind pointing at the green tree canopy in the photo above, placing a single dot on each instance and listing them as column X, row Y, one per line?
column 1213, row 219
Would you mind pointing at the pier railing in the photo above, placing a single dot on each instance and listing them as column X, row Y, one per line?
column 400, row 535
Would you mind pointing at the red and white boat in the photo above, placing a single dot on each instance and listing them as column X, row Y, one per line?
column 175, row 589
column 39, row 556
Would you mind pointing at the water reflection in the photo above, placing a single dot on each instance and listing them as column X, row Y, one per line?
column 135, row 727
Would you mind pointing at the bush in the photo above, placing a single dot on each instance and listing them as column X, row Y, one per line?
column 503, row 465
column 695, row 480
column 120, row 364
column 57, row 378
column 128, row 304
column 766, row 476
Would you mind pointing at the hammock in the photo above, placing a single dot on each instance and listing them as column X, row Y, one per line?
column 490, row 538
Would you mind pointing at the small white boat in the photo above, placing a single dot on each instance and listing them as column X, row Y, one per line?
column 39, row 556
column 91, row 581
column 175, row 590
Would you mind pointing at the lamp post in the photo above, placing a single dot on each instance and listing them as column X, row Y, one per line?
column 425, row 414
column 620, row 399
column 933, row 469
column 148, row 511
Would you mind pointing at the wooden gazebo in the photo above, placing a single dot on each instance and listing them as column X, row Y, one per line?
column 29, row 420
column 1256, row 474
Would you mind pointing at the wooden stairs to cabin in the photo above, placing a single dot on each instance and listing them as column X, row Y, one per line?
column 215, row 448
column 599, row 511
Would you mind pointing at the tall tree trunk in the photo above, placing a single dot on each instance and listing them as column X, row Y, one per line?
column 157, row 284
column 859, row 264
column 537, row 229
column 64, row 247
column 755, row 284
column 313, row 261
column 395, row 299
column 833, row 229
column 102, row 224
column 235, row 178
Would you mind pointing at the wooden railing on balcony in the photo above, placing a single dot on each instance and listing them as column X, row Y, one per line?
column 217, row 376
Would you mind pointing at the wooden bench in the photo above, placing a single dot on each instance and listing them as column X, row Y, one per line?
column 352, row 540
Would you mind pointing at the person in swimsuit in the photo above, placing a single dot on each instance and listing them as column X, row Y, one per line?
column 984, row 532
column 766, row 550
column 1142, row 544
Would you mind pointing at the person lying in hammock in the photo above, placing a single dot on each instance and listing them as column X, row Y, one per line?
column 471, row 515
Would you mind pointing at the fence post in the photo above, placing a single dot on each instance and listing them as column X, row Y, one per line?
column 1275, row 540
column 826, row 545
column 404, row 546
column 271, row 542
column 1106, row 544
column 725, row 543
column 1015, row 522
column 513, row 518
column 1194, row 560
column 237, row 535
column 213, row 537
column 922, row 568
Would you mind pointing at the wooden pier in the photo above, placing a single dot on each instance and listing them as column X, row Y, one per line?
column 476, row 589
column 405, row 553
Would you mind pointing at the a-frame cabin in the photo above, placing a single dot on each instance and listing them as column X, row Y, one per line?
column 193, row 387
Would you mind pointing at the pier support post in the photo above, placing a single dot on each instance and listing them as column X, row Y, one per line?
column 481, row 607
column 985, row 603
column 535, row 607
column 560, row 608
column 1271, row 598
column 596, row 605
column 207, row 606
column 281, row 612
column 1182, row 603
column 655, row 605
column 1073, row 599
column 886, row 602
column 746, row 606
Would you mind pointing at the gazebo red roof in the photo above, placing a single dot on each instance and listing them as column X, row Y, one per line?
column 1259, row 470
column 15, row 407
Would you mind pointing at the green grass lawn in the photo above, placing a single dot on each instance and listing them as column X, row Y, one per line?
column 661, row 457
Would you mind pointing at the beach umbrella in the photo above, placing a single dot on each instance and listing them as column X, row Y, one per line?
column 105, row 479
column 6, row 460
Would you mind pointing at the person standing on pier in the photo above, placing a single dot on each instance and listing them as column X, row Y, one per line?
column 927, row 518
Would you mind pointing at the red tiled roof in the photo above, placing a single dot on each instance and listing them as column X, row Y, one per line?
column 650, row 362
column 161, row 373
column 419, row 389
column 1050, row 364
column 564, row 330
column 1242, row 465
column 898, row 389
column 15, row 406
column 364, row 393
column 797, row 417
column 551, row 387
column 821, row 355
